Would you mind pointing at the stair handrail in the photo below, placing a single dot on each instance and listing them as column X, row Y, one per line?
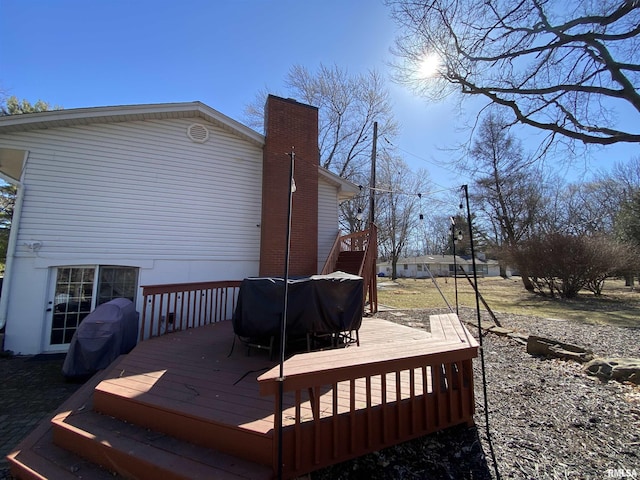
column 332, row 258
column 354, row 242
column 365, row 240
column 368, row 268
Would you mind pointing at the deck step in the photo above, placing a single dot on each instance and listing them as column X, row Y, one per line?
column 136, row 452
column 36, row 457
column 349, row 261
column 45, row 460
column 165, row 417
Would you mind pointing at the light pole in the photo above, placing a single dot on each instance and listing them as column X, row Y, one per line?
column 455, row 237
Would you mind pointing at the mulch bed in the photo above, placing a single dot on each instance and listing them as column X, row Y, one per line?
column 548, row 419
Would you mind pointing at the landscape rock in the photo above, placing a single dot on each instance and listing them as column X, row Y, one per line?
column 553, row 348
column 500, row 330
column 620, row 369
column 521, row 338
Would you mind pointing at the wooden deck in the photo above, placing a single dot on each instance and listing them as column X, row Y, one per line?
column 400, row 383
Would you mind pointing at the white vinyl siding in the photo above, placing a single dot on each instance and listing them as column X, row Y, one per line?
column 327, row 220
column 137, row 194
column 141, row 190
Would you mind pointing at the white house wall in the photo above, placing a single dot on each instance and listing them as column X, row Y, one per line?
column 137, row 194
column 327, row 220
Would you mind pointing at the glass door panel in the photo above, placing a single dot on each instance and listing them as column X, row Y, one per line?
column 73, row 301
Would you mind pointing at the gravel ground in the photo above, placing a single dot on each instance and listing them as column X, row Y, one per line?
column 548, row 420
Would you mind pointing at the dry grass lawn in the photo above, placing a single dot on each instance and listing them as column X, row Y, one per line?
column 618, row 305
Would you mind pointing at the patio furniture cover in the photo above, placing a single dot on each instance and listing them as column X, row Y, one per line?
column 107, row 332
column 318, row 304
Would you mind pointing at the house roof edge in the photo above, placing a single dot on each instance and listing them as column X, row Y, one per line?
column 122, row 113
column 346, row 188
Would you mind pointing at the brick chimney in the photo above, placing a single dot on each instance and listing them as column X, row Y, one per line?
column 289, row 124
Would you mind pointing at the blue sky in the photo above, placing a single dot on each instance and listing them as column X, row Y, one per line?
column 82, row 53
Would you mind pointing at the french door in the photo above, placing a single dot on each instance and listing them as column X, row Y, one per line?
column 77, row 290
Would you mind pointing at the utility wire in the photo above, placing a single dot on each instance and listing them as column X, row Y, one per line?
column 435, row 164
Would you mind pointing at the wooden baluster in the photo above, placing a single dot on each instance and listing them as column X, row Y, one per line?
column 412, row 399
column 425, row 397
column 398, row 405
column 335, row 418
column 383, row 393
column 352, row 413
column 438, row 392
column 369, row 412
column 450, row 396
column 316, row 423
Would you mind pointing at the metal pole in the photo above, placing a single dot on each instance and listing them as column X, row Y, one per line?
column 283, row 323
column 484, row 375
column 372, row 200
column 455, row 267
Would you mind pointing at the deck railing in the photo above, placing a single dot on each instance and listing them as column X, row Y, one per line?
column 174, row 307
column 367, row 241
column 332, row 258
column 368, row 269
column 348, row 405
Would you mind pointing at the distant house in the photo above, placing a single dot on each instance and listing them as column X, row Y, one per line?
column 112, row 198
column 439, row 266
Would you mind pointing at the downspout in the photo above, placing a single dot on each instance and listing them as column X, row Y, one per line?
column 11, row 248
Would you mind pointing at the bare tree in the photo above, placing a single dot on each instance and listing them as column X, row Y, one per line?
column 397, row 207
column 624, row 184
column 348, row 107
column 433, row 234
column 568, row 68
column 506, row 188
column 629, row 220
column 624, row 178
column 591, row 207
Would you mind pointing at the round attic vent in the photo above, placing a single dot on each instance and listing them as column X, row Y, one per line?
column 198, row 133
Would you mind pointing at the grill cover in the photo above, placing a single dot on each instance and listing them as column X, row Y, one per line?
column 317, row 304
column 107, row 332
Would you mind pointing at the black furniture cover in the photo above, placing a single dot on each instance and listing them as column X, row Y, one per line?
column 318, row 304
column 107, row 332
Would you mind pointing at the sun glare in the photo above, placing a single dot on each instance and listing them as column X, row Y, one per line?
column 429, row 65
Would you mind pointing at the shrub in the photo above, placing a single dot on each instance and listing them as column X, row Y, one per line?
column 562, row 265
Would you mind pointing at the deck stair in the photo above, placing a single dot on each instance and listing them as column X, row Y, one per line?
column 137, row 452
column 350, row 262
column 145, row 418
column 356, row 253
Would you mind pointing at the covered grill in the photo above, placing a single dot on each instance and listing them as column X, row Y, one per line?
column 107, row 332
